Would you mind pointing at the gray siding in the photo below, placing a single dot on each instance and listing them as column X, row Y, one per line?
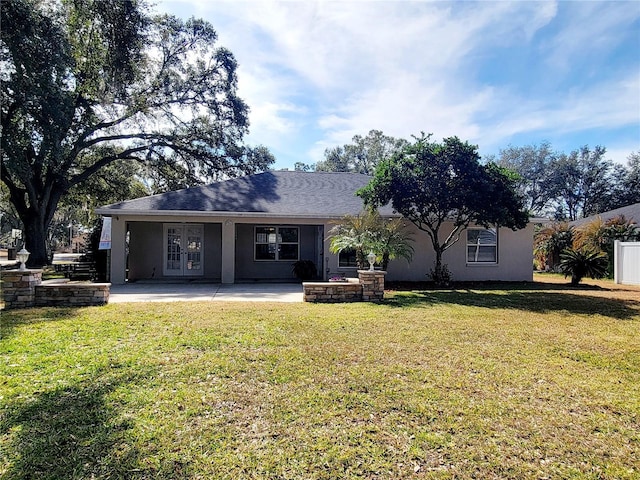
column 248, row 269
column 146, row 251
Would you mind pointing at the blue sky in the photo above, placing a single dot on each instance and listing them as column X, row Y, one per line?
column 316, row 73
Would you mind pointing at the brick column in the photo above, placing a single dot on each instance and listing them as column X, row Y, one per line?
column 372, row 285
column 19, row 287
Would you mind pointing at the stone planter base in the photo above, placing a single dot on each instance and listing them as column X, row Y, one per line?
column 368, row 287
column 24, row 288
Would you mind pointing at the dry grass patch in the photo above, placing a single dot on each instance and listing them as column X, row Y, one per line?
column 509, row 381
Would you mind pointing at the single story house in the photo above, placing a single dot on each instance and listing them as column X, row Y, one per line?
column 253, row 228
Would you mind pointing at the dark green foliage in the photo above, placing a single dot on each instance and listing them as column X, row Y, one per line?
column 361, row 156
column 369, row 232
column 532, row 163
column 583, row 263
column 575, row 185
column 304, row 269
column 443, row 185
column 89, row 83
column 549, row 242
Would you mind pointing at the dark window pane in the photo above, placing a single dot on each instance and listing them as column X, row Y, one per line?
column 289, row 235
column 289, row 251
column 347, row 258
column 265, row 251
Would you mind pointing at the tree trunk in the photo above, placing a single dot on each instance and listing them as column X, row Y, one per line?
column 385, row 261
column 36, row 220
column 35, row 240
column 440, row 274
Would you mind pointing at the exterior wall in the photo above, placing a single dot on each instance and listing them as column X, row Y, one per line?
column 249, row 269
column 235, row 262
column 146, row 251
column 515, row 258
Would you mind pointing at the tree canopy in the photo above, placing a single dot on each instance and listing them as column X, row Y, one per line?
column 361, row 156
column 435, row 185
column 574, row 185
column 87, row 84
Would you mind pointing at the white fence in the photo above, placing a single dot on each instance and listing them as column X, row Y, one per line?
column 626, row 262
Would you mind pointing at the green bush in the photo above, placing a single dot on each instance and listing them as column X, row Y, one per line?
column 583, row 263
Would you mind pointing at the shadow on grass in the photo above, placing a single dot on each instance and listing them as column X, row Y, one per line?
column 30, row 316
column 530, row 297
column 70, row 432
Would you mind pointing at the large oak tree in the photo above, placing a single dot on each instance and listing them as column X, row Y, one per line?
column 442, row 188
column 88, row 83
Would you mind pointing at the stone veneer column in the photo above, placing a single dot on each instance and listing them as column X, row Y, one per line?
column 19, row 287
column 372, row 285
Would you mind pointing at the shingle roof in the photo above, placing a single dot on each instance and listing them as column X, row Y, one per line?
column 630, row 212
column 278, row 193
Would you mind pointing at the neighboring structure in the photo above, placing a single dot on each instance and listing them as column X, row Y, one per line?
column 630, row 212
column 252, row 229
column 626, row 261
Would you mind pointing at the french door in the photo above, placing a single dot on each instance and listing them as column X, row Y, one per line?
column 183, row 252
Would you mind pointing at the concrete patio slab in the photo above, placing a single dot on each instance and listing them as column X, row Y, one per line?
column 193, row 292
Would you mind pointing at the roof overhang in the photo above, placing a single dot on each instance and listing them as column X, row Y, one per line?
column 108, row 212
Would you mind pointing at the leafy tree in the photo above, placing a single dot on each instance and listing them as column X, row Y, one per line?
column 627, row 182
column 369, row 232
column 87, row 83
column 581, row 183
column 437, row 185
column 304, row 167
column 532, row 163
column 361, row 156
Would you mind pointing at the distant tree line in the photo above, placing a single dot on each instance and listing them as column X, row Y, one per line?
column 554, row 184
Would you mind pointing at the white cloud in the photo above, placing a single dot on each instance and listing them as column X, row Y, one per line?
column 317, row 73
column 590, row 29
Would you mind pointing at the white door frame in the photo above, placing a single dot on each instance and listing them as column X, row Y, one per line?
column 183, row 256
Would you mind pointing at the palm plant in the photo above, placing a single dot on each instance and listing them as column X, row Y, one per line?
column 551, row 241
column 583, row 263
column 599, row 235
column 393, row 240
column 353, row 233
column 369, row 232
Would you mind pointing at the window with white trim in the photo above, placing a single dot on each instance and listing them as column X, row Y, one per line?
column 482, row 245
column 277, row 243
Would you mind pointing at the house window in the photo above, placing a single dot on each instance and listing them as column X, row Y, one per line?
column 482, row 245
column 347, row 258
column 276, row 243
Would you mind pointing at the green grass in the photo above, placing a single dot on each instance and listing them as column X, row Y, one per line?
column 510, row 381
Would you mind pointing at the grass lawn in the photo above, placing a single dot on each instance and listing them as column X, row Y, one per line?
column 495, row 381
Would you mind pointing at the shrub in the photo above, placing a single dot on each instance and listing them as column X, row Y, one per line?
column 304, row 269
column 583, row 263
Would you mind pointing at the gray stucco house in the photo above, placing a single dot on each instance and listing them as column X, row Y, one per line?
column 252, row 229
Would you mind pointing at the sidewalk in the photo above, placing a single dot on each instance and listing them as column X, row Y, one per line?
column 178, row 292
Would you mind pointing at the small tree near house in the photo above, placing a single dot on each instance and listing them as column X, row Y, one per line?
column 369, row 232
column 442, row 188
